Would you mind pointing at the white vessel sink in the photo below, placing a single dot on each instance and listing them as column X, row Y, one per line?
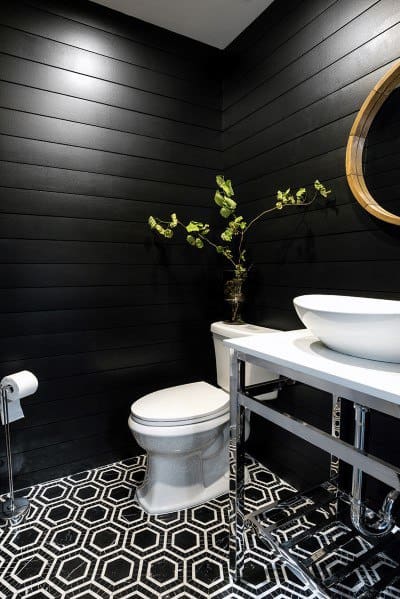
column 357, row 326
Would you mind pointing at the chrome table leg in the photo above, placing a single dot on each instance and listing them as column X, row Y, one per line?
column 336, row 421
column 237, row 459
column 383, row 524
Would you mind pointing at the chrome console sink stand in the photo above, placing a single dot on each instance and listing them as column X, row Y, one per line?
column 326, row 503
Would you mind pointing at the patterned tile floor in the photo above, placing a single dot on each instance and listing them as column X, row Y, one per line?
column 86, row 538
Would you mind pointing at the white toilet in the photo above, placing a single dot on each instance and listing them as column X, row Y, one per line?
column 185, row 432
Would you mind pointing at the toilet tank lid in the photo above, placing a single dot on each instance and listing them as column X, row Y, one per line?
column 225, row 329
column 190, row 402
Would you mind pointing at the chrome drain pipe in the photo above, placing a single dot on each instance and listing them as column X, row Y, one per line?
column 364, row 520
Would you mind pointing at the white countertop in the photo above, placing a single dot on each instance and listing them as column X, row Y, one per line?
column 303, row 352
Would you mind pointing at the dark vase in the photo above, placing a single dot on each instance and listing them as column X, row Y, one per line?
column 233, row 293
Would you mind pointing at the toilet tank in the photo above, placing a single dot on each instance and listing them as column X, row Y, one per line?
column 254, row 374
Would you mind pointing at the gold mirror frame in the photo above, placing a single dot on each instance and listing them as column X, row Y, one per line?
column 356, row 141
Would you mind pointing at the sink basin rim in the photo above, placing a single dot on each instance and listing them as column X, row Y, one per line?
column 361, row 327
column 348, row 304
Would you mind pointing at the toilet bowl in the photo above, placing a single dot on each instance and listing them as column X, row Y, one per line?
column 185, row 432
column 184, row 445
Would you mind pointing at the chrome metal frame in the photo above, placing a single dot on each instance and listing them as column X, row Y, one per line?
column 243, row 398
column 336, row 430
column 364, row 521
column 237, row 471
column 13, row 509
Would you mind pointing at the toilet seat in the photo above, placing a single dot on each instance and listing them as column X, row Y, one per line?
column 181, row 405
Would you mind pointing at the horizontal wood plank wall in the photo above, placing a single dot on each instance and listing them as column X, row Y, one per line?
column 295, row 81
column 104, row 120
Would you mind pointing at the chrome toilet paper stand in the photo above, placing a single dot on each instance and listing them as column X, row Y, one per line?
column 13, row 509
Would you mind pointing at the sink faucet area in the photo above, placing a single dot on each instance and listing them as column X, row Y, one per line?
column 358, row 326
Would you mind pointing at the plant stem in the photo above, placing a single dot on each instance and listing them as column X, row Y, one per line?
column 251, row 223
column 205, row 238
column 240, row 245
column 214, row 245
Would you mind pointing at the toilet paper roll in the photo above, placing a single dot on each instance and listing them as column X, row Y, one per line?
column 19, row 385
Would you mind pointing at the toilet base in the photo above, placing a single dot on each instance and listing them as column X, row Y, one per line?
column 149, row 500
column 219, row 487
column 179, row 480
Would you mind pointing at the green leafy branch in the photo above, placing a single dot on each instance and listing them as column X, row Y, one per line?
column 235, row 231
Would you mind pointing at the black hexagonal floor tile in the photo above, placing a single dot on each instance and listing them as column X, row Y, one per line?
column 59, row 513
column 207, row 572
column 73, row 568
column 117, row 571
column 186, row 540
column 163, row 570
column 132, row 514
column 26, row 537
column 220, row 541
column 204, row 515
column 81, row 476
column 121, row 493
column 264, row 476
column 86, row 538
column 104, row 539
column 254, row 573
column 109, row 475
column 65, row 538
column 53, row 492
column 144, row 540
column 254, row 494
column 86, row 492
column 95, row 514
column 28, row 569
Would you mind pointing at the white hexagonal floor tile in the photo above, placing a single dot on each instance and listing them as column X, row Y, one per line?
column 87, row 538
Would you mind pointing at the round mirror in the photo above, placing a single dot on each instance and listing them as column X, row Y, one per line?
column 381, row 155
column 373, row 150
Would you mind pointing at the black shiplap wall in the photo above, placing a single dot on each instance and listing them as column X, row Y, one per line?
column 103, row 121
column 296, row 79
